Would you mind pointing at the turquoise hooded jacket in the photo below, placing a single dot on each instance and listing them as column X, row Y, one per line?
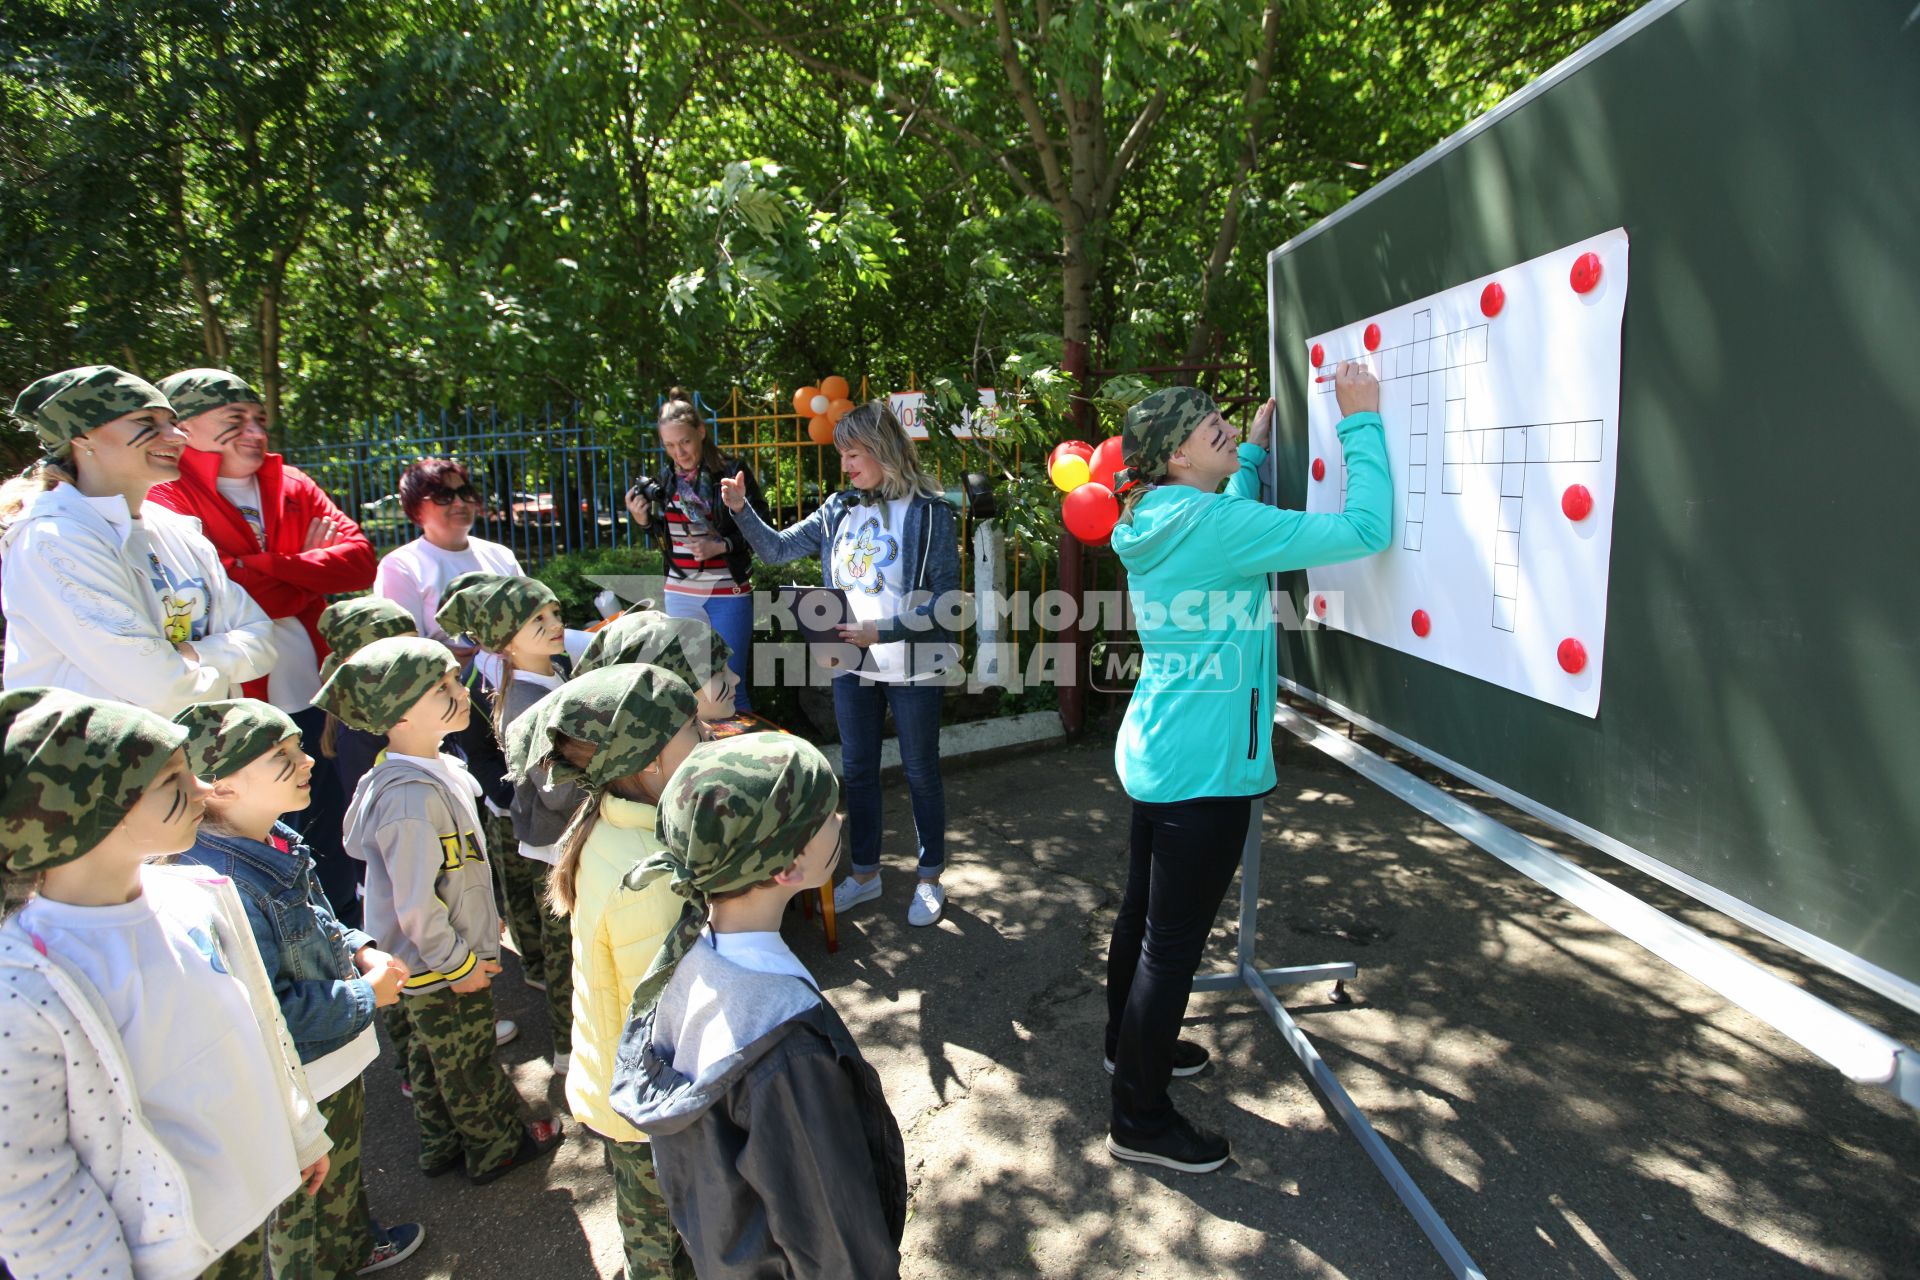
column 1200, row 721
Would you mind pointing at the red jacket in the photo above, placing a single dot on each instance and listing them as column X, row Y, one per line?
column 283, row 580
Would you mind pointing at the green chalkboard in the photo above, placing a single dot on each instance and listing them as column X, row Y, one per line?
column 1759, row 725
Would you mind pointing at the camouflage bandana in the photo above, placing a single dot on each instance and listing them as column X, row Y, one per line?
column 373, row 690
column 352, row 625
column 195, row 391
column 629, row 712
column 738, row 811
column 70, row 769
column 225, row 737
column 688, row 647
column 1157, row 426
column 63, row 406
column 491, row 607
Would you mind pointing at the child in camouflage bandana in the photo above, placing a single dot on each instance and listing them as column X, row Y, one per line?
column 613, row 737
column 155, row 1108
column 688, row 647
column 517, row 621
column 430, row 903
column 329, row 978
column 775, row 1147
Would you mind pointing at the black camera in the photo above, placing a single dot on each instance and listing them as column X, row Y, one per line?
column 650, row 488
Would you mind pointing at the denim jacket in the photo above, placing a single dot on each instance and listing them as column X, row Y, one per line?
column 307, row 951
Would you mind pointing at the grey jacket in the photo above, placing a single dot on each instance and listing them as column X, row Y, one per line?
column 783, row 1160
column 429, row 889
column 541, row 809
column 931, row 567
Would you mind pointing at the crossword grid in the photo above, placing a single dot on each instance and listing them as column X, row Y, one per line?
column 1445, row 357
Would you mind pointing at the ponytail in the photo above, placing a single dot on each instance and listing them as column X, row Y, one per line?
column 36, row 479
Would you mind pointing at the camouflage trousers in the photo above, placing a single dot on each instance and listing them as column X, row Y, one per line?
column 543, row 939
column 245, row 1261
column 400, row 1031
column 461, row 1098
column 331, row 1234
column 654, row 1250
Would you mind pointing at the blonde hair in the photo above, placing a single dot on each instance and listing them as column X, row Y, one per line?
column 36, row 479
column 573, row 843
column 873, row 428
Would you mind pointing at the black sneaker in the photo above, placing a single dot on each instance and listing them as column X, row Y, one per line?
column 1189, row 1059
column 1184, row 1146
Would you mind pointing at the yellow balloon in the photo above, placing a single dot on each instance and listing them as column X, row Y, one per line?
column 1070, row 472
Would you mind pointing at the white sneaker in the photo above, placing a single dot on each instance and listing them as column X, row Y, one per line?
column 929, row 899
column 505, row 1031
column 561, row 1062
column 851, row 893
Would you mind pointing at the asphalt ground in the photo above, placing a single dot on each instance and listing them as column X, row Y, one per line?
column 1572, row 1105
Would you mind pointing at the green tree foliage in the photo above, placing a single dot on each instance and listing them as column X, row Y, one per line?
column 368, row 206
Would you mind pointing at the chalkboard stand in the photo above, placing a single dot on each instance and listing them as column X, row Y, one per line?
column 1860, row 1052
column 1247, row 972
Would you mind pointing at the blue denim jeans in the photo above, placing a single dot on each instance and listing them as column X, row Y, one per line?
column 732, row 617
column 860, row 706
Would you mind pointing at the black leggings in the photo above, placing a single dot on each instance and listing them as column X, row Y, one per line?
column 1182, row 859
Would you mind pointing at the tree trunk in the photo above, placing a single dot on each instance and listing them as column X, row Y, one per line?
column 270, row 346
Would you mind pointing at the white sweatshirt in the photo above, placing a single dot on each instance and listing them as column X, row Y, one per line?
column 96, row 600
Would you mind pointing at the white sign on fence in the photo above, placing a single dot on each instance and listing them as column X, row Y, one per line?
column 906, row 406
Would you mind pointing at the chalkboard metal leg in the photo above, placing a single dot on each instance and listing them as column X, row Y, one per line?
column 1261, row 982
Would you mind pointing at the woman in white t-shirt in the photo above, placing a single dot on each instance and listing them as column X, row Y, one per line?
column 890, row 544
column 438, row 495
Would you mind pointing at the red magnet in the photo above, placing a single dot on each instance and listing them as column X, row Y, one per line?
column 1318, row 355
column 1373, row 337
column 1573, row 656
column 1576, row 502
column 1586, row 273
column 1319, row 606
column 1319, row 468
column 1421, row 622
column 1492, row 298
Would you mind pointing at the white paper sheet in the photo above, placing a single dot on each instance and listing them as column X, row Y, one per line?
column 1489, row 421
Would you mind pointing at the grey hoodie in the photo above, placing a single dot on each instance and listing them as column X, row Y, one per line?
column 429, row 890
column 782, row 1158
column 541, row 809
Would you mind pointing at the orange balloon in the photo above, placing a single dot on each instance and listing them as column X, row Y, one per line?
column 839, row 409
column 820, row 430
column 803, row 401
column 835, row 388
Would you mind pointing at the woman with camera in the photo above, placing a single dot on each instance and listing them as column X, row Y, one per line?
column 1195, row 752
column 705, row 553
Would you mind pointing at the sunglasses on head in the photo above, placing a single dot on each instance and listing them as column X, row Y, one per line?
column 444, row 497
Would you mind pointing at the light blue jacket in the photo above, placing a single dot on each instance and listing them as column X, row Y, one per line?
column 1199, row 724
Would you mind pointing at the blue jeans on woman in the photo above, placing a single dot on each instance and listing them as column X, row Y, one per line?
column 860, row 706
column 732, row 617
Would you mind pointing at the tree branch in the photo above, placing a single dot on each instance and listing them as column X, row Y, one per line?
column 1029, row 103
column 1137, row 138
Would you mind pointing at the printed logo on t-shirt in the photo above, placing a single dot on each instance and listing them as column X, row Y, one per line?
column 204, row 942
column 184, row 600
column 860, row 558
column 256, row 522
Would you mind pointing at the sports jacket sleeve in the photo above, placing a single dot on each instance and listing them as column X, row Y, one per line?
column 777, row 546
column 346, row 565
column 1257, row 538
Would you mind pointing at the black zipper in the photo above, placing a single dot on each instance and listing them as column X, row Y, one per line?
column 1253, row 722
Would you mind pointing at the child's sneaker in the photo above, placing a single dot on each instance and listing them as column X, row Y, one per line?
column 562, row 1062
column 851, row 893
column 529, row 981
column 929, row 900
column 406, row 1088
column 399, row 1245
column 536, row 1140
column 505, row 1031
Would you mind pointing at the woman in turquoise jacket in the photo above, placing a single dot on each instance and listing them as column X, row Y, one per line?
column 1195, row 749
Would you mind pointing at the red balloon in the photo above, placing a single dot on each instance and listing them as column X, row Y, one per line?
column 1422, row 624
column 1108, row 457
column 1573, row 656
column 1090, row 512
column 1079, row 448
